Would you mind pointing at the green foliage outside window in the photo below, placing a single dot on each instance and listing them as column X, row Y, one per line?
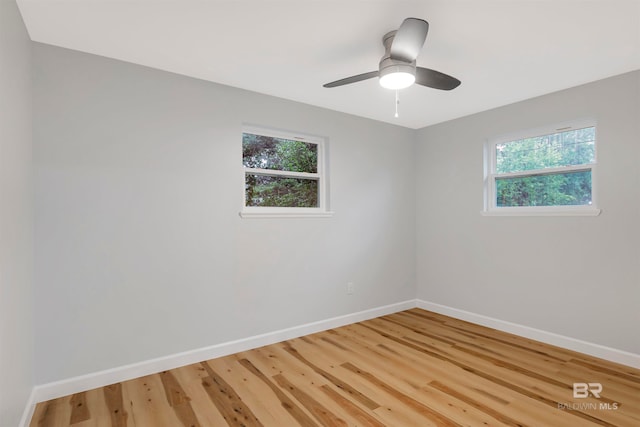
column 263, row 190
column 562, row 149
column 573, row 188
column 265, row 152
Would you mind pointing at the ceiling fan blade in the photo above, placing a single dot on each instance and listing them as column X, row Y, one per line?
column 352, row 79
column 435, row 79
column 409, row 39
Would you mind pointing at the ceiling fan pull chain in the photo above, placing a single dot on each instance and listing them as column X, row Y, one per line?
column 397, row 101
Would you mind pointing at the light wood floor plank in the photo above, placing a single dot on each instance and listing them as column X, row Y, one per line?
column 178, row 399
column 98, row 410
column 302, row 395
column 191, row 377
column 251, row 390
column 233, row 409
column 147, row 403
column 300, row 416
column 409, row 369
column 362, row 418
column 342, row 385
column 79, row 408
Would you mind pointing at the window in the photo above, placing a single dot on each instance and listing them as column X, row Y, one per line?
column 283, row 174
column 548, row 172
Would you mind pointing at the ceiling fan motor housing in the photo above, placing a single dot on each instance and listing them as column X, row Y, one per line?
column 389, row 66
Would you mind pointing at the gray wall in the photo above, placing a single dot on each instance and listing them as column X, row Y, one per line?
column 575, row 276
column 16, row 217
column 140, row 251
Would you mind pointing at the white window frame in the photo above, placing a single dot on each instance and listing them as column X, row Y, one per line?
column 321, row 176
column 490, row 175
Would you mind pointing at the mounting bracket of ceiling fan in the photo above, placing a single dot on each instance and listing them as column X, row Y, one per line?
column 397, row 68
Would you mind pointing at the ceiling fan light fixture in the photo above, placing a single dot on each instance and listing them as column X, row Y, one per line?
column 397, row 77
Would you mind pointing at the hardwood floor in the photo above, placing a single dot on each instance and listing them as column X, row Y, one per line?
column 413, row 368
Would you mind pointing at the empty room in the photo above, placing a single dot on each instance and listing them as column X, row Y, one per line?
column 319, row 213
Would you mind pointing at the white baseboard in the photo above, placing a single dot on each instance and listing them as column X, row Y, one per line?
column 597, row 350
column 81, row 383
column 27, row 414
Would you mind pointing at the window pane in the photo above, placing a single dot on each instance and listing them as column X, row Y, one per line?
column 570, row 148
column 266, row 152
column 562, row 189
column 278, row 191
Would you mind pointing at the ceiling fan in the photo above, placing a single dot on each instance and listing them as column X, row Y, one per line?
column 397, row 68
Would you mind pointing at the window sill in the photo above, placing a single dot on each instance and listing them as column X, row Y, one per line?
column 286, row 214
column 542, row 212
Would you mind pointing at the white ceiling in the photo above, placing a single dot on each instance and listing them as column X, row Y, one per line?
column 502, row 50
